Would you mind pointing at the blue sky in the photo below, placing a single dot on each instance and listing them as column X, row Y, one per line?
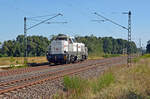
column 78, row 14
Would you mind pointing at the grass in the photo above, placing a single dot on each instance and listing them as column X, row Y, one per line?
column 20, row 60
column 20, row 66
column 42, row 59
column 120, row 82
column 135, row 60
column 78, row 88
column 102, row 82
column 94, row 56
column 111, row 55
column 75, row 84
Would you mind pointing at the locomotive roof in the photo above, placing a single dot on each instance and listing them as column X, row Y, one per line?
column 63, row 36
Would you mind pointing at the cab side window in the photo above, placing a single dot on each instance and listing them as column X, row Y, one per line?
column 74, row 40
column 70, row 41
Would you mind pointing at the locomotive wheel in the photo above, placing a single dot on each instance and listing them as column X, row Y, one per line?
column 83, row 58
column 67, row 60
column 72, row 59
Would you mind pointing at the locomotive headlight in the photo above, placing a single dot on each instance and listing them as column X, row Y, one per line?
column 65, row 57
column 46, row 53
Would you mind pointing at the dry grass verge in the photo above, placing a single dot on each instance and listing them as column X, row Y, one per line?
column 116, row 83
column 20, row 60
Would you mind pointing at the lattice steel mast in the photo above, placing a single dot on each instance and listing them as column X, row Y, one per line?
column 129, row 38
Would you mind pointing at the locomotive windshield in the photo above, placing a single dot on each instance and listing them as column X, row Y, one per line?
column 61, row 38
column 74, row 40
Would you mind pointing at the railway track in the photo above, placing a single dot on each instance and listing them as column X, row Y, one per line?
column 47, row 70
column 12, row 85
column 40, row 72
column 22, row 70
column 28, row 69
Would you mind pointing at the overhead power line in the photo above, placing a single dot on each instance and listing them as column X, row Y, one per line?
column 111, row 21
column 98, row 20
column 56, row 22
column 44, row 21
column 41, row 16
column 48, row 22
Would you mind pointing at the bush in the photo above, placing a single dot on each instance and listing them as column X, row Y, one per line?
column 1, row 55
column 75, row 84
column 12, row 60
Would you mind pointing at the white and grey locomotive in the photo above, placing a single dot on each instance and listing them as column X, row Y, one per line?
column 65, row 49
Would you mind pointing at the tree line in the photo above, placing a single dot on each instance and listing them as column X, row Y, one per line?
column 37, row 46
column 106, row 45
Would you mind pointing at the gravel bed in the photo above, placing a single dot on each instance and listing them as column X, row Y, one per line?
column 2, row 70
column 49, row 88
column 43, row 71
column 36, row 73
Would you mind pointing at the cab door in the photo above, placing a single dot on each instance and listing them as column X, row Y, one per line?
column 70, row 44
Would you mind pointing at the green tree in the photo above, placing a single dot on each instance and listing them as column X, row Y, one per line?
column 37, row 45
column 1, row 50
column 115, row 46
column 8, row 48
column 148, row 47
column 93, row 43
column 107, row 45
